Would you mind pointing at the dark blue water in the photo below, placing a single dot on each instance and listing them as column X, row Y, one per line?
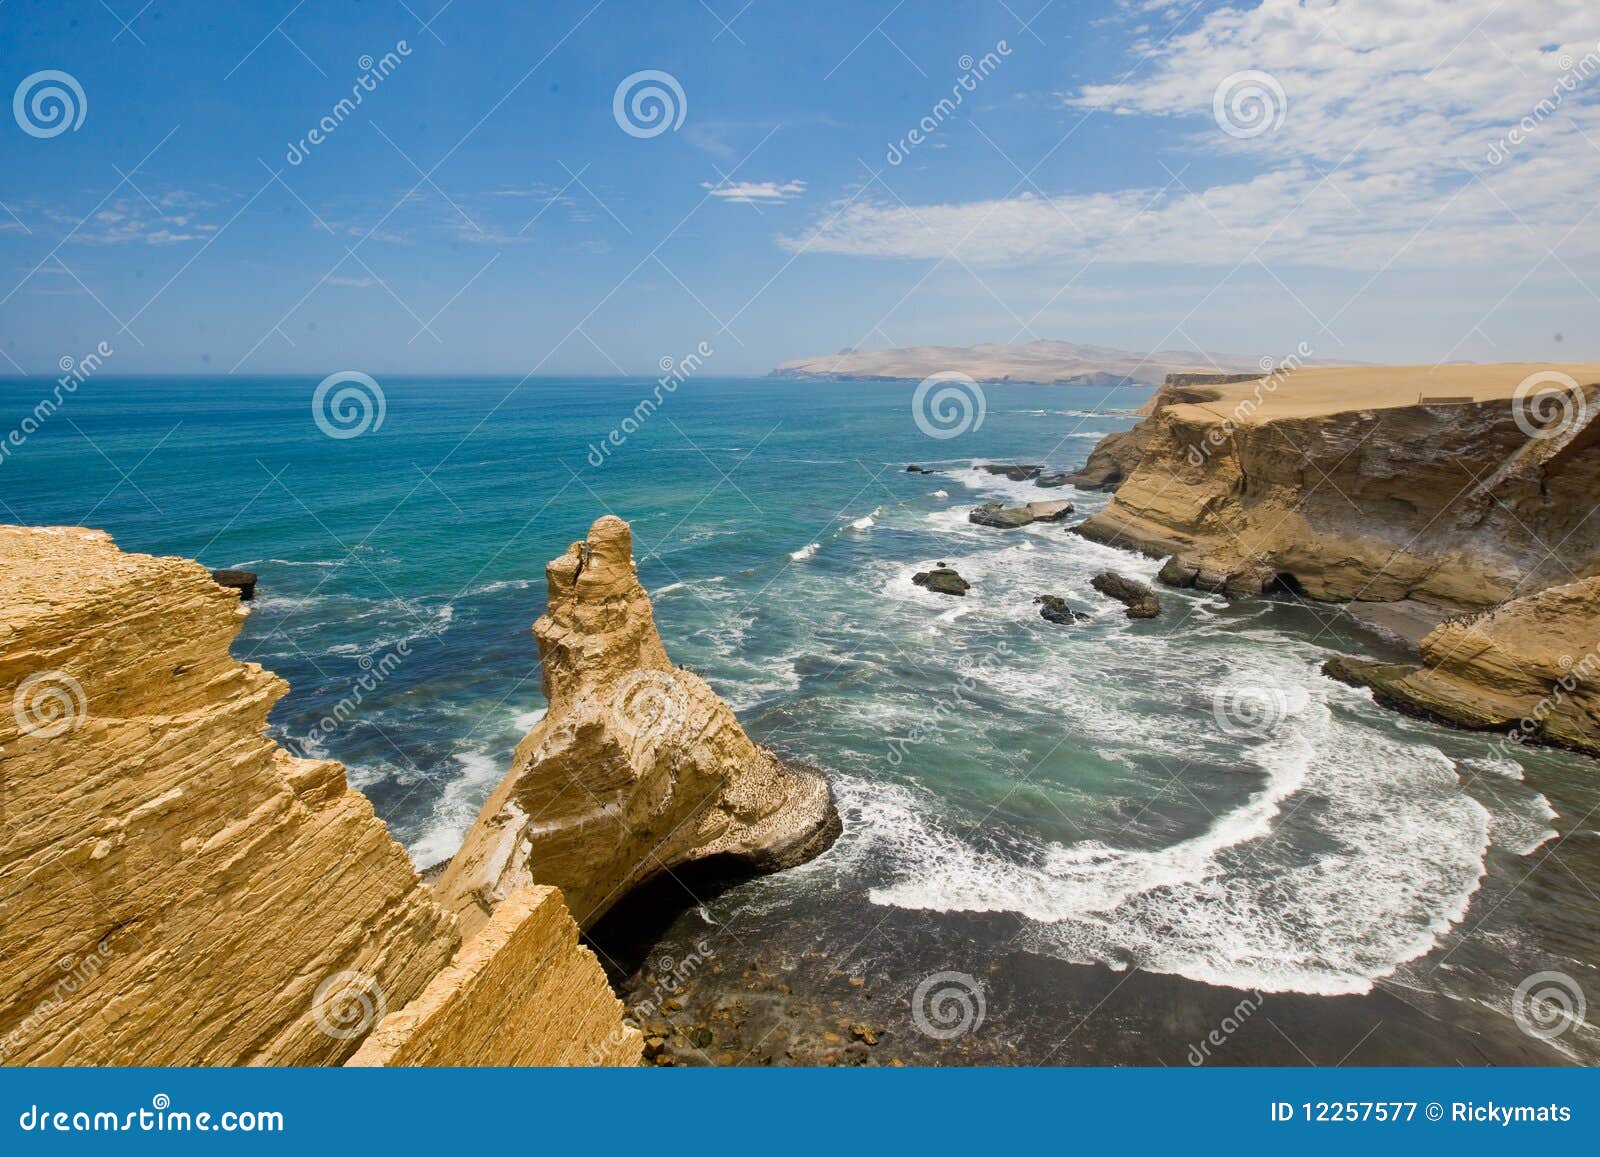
column 1078, row 780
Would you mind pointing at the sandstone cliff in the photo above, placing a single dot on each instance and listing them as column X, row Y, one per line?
column 637, row 767
column 1358, row 483
column 1455, row 488
column 175, row 888
column 1530, row 669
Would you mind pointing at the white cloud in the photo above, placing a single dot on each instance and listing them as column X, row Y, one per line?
column 1384, row 154
column 754, row 192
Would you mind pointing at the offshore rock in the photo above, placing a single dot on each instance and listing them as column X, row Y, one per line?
column 942, row 580
column 637, row 767
column 1140, row 600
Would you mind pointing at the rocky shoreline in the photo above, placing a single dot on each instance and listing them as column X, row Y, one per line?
column 1430, row 522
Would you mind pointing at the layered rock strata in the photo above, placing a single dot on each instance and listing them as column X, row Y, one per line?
column 176, row 888
column 1348, row 483
column 1530, row 669
column 636, row 769
column 520, row 992
column 1436, row 490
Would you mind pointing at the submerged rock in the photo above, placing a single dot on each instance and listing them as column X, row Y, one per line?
column 1054, row 608
column 667, row 775
column 942, row 580
column 1016, row 473
column 1052, row 481
column 915, row 469
column 1140, row 600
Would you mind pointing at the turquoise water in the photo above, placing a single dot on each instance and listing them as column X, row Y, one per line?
column 1187, row 795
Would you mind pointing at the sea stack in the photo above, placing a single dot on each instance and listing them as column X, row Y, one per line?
column 636, row 769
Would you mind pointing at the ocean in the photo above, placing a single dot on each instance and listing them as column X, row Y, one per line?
column 1111, row 832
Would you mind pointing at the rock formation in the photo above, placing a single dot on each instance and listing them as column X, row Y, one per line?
column 1351, row 485
column 637, row 768
column 520, row 992
column 1437, row 490
column 1529, row 669
column 1015, row 472
column 176, row 888
column 1055, row 609
column 1011, row 517
column 1140, row 600
column 942, row 580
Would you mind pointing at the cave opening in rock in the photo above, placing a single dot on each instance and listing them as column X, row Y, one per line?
column 1285, row 583
column 624, row 936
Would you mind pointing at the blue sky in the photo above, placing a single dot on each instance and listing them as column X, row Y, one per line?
column 483, row 210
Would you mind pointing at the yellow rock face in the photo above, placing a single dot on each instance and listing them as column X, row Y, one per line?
column 1363, row 484
column 175, row 888
column 1529, row 669
column 521, row 992
column 636, row 768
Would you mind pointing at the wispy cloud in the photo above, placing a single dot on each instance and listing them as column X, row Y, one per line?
column 168, row 218
column 1384, row 152
column 754, row 192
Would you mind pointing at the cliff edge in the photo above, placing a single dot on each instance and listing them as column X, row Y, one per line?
column 637, row 767
column 178, row 889
column 1446, row 490
column 1364, row 483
